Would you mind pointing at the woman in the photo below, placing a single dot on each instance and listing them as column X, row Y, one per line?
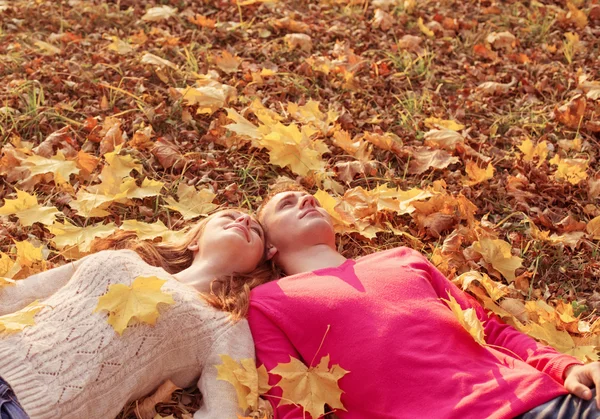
column 72, row 363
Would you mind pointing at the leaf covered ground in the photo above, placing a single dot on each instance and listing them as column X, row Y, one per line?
column 466, row 130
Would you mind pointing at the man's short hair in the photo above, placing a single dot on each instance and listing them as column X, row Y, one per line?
column 277, row 188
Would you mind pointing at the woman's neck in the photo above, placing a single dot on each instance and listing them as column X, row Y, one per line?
column 201, row 273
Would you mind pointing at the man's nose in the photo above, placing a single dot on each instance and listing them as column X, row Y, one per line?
column 308, row 200
column 243, row 219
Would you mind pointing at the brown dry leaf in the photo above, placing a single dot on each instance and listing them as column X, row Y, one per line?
column 591, row 88
column 382, row 20
column 494, row 88
column 168, row 155
column 502, row 40
column 571, row 114
column 227, row 62
column 141, row 139
column 346, row 171
column 445, row 138
column 410, row 43
column 576, row 16
column 299, row 40
column 424, row 158
column 202, row 21
column 146, row 409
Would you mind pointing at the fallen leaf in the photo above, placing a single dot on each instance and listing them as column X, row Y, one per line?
column 571, row 114
column 593, row 228
column 502, row 40
column 299, row 40
column 227, row 62
column 310, row 387
column 530, row 151
column 424, row 28
column 152, row 59
column 444, row 124
column 68, row 235
column 382, row 20
column 138, row 301
column 249, row 382
column 571, row 170
column 467, row 319
column 423, row 159
column 19, row 320
column 146, row 409
column 192, row 203
column 26, row 208
column 476, row 174
column 498, row 253
column 155, row 14
column 444, row 138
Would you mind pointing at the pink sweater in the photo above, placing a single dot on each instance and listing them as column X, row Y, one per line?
column 407, row 354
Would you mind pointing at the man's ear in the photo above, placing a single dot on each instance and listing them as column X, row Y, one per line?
column 271, row 251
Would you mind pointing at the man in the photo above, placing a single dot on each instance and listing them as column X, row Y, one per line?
column 382, row 318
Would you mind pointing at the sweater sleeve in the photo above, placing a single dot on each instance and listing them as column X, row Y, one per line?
column 273, row 347
column 35, row 287
column 219, row 398
column 542, row 357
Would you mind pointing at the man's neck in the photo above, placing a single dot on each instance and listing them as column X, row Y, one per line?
column 309, row 259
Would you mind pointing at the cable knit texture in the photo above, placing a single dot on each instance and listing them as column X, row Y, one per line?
column 72, row 364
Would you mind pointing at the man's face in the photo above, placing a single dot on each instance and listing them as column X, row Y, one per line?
column 294, row 220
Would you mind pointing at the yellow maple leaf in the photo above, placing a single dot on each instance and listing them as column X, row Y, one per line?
column 530, row 151
column 291, row 147
column 329, row 203
column 498, row 254
column 227, row 62
column 249, row 382
column 28, row 254
column 571, row 170
column 192, row 202
column 26, row 208
column 467, row 319
column 311, row 114
column 19, row 320
column 58, row 165
column 493, row 289
column 477, row 174
column 67, row 234
column 560, row 340
column 121, row 166
column 8, row 269
column 149, row 231
column 593, row 228
column 241, row 125
column 209, row 96
column 432, row 122
column 140, row 301
column 311, row 387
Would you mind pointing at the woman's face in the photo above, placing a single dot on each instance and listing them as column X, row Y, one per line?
column 234, row 238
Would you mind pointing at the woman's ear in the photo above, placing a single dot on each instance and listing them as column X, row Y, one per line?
column 271, row 251
column 193, row 246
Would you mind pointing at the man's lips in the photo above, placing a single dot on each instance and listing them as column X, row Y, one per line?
column 305, row 213
column 242, row 229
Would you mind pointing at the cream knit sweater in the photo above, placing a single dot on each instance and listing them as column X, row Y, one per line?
column 72, row 364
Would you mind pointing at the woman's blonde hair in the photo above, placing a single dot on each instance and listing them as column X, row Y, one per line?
column 227, row 293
